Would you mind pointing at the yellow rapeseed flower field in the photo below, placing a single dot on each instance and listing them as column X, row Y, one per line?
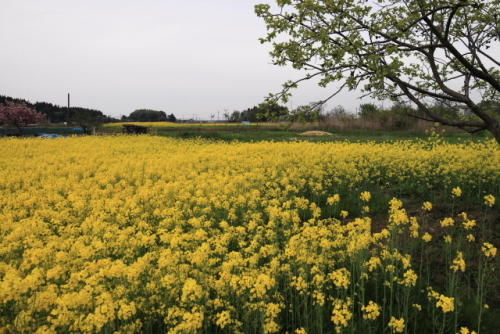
column 143, row 234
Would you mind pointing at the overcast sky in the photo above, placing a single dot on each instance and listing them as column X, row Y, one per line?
column 188, row 58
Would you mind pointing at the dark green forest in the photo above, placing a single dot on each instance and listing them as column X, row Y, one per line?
column 58, row 114
column 259, row 113
column 148, row 115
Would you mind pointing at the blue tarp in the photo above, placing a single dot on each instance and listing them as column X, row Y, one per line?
column 49, row 136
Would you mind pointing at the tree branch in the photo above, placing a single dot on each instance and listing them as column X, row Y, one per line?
column 436, row 118
column 488, row 56
column 479, row 74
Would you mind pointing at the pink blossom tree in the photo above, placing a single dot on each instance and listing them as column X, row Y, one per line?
column 19, row 115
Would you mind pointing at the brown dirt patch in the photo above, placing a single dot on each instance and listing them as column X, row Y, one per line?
column 315, row 133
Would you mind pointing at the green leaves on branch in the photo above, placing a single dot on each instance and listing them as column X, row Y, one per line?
column 405, row 50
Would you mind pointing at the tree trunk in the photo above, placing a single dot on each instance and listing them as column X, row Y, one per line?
column 495, row 130
column 20, row 129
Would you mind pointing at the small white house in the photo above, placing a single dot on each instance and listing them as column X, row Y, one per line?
column 465, row 111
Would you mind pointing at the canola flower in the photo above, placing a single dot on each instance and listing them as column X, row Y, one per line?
column 489, row 250
column 447, row 304
column 427, row 206
column 489, row 200
column 458, row 263
column 341, row 314
column 142, row 234
column 410, row 278
column 447, row 222
column 468, row 224
column 427, row 237
column 333, row 199
column 372, row 310
column 456, row 192
column 398, row 325
column 365, row 196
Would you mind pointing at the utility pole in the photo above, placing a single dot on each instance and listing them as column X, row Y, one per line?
column 68, row 107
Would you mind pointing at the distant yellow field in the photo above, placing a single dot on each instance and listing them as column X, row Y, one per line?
column 180, row 125
column 145, row 234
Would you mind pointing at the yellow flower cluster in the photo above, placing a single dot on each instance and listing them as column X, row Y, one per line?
column 372, row 310
column 141, row 234
column 456, row 192
column 398, row 325
column 447, row 222
column 341, row 314
column 365, row 196
column 427, row 237
column 465, row 330
column 468, row 224
column 333, row 200
column 489, row 250
column 427, row 206
column 489, row 200
column 458, row 263
column 447, row 304
column 410, row 278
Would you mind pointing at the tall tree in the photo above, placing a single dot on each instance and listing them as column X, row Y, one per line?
column 368, row 111
column 264, row 112
column 148, row 115
column 87, row 120
column 235, row 116
column 305, row 113
column 406, row 50
column 171, row 118
column 19, row 115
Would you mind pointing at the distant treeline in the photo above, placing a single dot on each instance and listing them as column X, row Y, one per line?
column 258, row 113
column 149, row 115
column 55, row 113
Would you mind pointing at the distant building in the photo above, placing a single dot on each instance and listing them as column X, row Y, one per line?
column 465, row 111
